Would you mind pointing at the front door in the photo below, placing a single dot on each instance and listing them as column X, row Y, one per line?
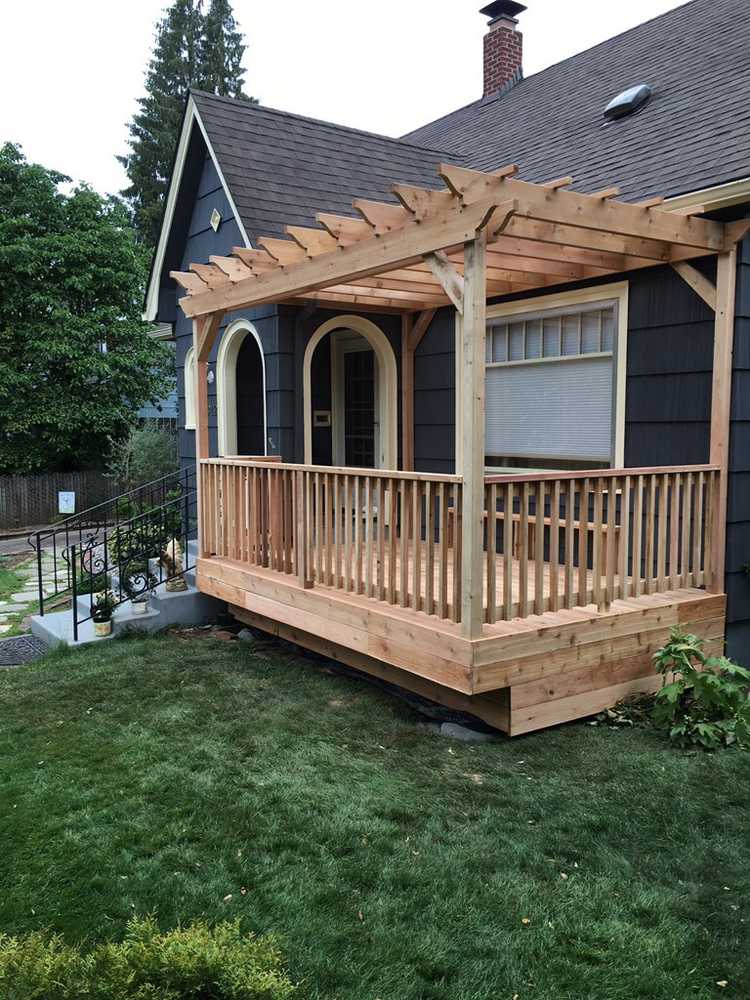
column 359, row 409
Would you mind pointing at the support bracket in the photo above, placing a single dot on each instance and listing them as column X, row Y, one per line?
column 698, row 282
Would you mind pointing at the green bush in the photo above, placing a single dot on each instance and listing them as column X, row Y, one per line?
column 193, row 963
column 706, row 704
column 147, row 453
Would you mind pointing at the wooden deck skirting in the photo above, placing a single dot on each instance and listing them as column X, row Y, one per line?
column 520, row 676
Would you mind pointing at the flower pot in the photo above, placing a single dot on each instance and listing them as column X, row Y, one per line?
column 140, row 607
column 102, row 629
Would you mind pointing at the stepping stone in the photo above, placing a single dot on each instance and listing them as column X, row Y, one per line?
column 25, row 597
column 4, row 628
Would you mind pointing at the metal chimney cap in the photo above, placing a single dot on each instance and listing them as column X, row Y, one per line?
column 502, row 8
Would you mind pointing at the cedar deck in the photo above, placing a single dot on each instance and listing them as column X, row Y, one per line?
column 595, row 566
column 367, row 566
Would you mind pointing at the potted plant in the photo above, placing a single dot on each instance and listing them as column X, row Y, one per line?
column 138, row 590
column 101, row 613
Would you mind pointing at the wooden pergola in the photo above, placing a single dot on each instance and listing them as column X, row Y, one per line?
column 481, row 236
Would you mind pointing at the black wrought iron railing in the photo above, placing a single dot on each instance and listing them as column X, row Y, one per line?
column 121, row 546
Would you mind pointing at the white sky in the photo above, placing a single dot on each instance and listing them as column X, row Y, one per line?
column 70, row 71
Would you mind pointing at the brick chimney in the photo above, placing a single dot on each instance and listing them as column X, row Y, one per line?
column 503, row 46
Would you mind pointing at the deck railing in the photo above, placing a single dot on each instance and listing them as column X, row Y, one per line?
column 384, row 535
column 550, row 542
column 592, row 538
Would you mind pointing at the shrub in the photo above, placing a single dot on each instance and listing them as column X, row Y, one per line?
column 147, row 453
column 707, row 702
column 193, row 963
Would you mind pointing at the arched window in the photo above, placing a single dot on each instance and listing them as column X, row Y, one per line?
column 189, row 372
column 241, row 402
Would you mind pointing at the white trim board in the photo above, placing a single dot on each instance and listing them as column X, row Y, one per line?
column 226, row 385
column 718, row 196
column 387, row 384
column 192, row 117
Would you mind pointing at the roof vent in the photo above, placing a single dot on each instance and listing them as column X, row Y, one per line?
column 628, row 102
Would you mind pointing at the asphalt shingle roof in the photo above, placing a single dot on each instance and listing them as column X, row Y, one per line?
column 283, row 168
column 694, row 133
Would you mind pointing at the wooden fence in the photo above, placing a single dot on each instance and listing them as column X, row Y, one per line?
column 31, row 500
column 550, row 542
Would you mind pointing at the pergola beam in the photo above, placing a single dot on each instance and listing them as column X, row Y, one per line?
column 584, row 211
column 397, row 249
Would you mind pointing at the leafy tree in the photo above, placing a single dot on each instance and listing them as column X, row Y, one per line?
column 76, row 361
column 191, row 49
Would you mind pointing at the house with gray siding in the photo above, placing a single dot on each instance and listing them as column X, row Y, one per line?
column 593, row 371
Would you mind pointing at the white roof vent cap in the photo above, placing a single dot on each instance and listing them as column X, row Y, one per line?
column 628, row 102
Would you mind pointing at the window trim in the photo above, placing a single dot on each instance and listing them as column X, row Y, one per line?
column 618, row 291
column 190, row 387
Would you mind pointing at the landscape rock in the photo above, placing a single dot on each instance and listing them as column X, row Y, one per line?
column 465, row 735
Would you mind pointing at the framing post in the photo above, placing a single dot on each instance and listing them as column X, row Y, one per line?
column 473, row 434
column 721, row 402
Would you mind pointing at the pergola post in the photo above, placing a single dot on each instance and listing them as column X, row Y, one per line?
column 721, row 402
column 204, row 335
column 473, row 434
column 407, row 394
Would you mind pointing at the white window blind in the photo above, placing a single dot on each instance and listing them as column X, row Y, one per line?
column 550, row 384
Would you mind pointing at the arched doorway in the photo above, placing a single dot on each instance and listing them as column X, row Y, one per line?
column 241, row 391
column 349, row 388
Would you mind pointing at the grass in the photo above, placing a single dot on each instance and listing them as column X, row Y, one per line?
column 198, row 779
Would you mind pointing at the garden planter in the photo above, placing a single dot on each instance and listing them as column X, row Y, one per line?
column 140, row 607
column 102, row 629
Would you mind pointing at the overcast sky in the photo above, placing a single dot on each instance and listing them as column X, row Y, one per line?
column 70, row 72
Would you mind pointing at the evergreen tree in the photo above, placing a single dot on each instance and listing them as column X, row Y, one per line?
column 220, row 52
column 191, row 49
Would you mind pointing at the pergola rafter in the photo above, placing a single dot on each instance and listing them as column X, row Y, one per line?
column 410, row 256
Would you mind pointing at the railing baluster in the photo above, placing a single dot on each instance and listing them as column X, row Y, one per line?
column 523, row 554
column 583, row 544
column 661, row 559
column 429, row 538
column 508, row 511
column 624, row 539
column 570, row 528
column 611, row 541
column 701, row 552
column 457, row 550
column 416, row 522
column 444, row 552
column 554, row 547
column 539, row 548
column 490, row 502
column 674, row 533
column 404, row 544
column 650, row 533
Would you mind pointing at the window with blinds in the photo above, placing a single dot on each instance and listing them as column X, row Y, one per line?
column 551, row 387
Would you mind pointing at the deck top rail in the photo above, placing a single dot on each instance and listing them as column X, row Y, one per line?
column 550, row 541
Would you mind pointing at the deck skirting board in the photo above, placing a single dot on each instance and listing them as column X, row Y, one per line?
column 493, row 709
column 520, row 676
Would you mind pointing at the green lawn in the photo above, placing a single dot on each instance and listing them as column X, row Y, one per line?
column 166, row 775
